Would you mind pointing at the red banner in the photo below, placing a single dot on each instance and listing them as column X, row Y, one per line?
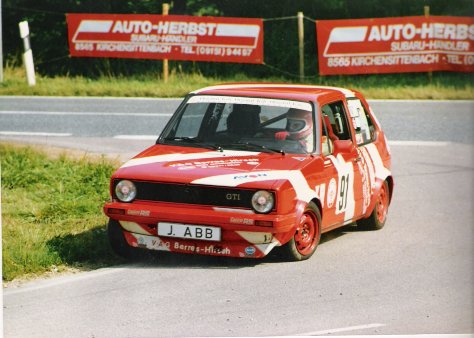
column 396, row 45
column 174, row 37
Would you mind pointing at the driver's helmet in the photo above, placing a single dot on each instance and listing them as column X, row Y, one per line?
column 299, row 124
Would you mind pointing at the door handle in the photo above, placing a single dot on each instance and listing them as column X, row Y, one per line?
column 357, row 159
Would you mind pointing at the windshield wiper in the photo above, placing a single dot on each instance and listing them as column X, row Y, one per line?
column 250, row 145
column 195, row 141
column 181, row 138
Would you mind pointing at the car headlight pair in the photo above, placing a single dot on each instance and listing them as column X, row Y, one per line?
column 125, row 191
column 262, row 201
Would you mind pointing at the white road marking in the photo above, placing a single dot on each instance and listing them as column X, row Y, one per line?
column 136, row 137
column 342, row 329
column 30, row 133
column 419, row 143
column 63, row 113
column 33, row 286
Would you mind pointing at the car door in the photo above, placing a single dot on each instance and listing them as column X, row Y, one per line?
column 364, row 130
column 343, row 198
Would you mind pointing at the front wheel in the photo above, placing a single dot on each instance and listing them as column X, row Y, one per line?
column 307, row 235
column 377, row 218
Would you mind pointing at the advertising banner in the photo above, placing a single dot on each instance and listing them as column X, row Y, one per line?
column 396, row 45
column 174, row 37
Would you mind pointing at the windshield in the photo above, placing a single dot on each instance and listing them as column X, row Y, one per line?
column 256, row 124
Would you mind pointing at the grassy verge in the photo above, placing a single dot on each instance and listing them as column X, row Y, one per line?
column 389, row 86
column 52, row 218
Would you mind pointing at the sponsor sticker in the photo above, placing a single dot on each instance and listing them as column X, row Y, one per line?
column 250, row 251
column 245, row 221
column 144, row 213
column 332, row 189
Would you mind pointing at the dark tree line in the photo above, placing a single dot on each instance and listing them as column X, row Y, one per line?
column 50, row 47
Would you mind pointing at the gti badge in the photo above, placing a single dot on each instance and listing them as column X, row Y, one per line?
column 232, row 197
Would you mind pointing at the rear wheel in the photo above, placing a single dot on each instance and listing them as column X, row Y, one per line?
column 306, row 239
column 118, row 242
column 377, row 218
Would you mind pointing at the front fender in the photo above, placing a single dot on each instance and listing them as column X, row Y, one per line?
column 300, row 208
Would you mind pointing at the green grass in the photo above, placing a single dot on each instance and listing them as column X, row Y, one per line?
column 385, row 86
column 52, row 212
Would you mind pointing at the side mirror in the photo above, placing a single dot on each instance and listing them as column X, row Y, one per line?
column 343, row 147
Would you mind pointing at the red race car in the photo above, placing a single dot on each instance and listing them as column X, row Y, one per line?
column 243, row 168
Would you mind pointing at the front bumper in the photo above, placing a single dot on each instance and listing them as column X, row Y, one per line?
column 243, row 232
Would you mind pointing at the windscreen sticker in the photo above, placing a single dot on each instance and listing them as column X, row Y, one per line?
column 250, row 100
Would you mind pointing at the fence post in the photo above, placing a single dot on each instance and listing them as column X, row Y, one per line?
column 28, row 54
column 301, row 44
column 166, row 8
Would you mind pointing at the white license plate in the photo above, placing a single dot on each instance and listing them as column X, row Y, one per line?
column 188, row 231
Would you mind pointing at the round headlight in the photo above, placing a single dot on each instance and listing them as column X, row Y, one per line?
column 262, row 201
column 125, row 191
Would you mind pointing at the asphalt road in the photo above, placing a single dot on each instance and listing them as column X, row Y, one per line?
column 415, row 276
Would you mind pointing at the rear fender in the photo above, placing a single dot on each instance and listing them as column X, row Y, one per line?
column 378, row 186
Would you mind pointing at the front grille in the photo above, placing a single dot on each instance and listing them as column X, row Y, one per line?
column 193, row 194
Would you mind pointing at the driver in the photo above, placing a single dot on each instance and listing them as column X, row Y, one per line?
column 299, row 127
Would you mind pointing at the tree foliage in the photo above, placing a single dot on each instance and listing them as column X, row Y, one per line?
column 50, row 47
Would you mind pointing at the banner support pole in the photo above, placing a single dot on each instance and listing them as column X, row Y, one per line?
column 300, row 17
column 426, row 10
column 165, row 11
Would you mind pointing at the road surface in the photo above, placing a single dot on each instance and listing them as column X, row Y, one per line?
column 415, row 276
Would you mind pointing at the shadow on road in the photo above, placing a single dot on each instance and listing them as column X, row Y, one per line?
column 87, row 250
column 90, row 250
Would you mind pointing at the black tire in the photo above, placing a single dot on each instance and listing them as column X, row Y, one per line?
column 377, row 218
column 118, row 242
column 307, row 236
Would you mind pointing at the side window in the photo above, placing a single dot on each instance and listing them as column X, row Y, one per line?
column 326, row 142
column 337, row 119
column 335, row 125
column 363, row 125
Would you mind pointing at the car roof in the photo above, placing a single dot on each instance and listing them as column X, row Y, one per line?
column 276, row 90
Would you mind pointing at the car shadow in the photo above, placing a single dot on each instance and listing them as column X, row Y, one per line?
column 87, row 250
column 339, row 232
column 91, row 250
